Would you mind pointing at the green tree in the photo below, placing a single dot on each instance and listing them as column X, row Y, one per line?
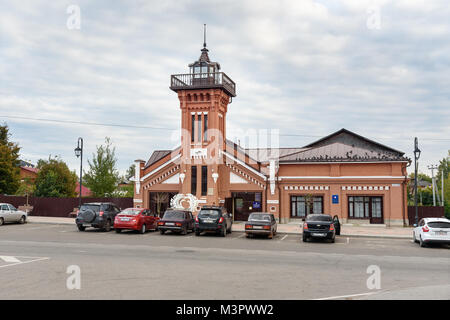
column 55, row 179
column 9, row 163
column 444, row 166
column 103, row 177
column 130, row 172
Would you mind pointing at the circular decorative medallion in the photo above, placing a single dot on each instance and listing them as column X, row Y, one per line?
column 184, row 202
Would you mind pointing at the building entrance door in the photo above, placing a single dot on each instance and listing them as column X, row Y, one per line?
column 245, row 203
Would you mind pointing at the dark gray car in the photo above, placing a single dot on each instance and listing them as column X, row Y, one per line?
column 261, row 223
column 97, row 215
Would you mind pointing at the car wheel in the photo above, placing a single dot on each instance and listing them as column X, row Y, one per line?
column 118, row 230
column 143, row 229
column 162, row 231
column 108, row 226
column 422, row 243
column 248, row 235
column 81, row 227
column 1, row 221
column 414, row 237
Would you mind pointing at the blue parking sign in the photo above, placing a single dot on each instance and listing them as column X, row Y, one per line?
column 335, row 198
column 256, row 204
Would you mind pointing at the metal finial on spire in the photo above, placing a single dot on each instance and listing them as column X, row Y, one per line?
column 204, row 35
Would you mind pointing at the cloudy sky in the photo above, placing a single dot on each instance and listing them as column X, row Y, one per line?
column 307, row 68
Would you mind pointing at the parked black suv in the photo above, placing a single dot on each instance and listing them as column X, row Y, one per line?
column 97, row 215
column 321, row 226
column 215, row 219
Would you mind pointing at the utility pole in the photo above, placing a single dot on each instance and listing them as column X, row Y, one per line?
column 416, row 164
column 432, row 168
column 442, row 186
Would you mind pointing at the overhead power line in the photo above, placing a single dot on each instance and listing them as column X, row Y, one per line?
column 171, row 129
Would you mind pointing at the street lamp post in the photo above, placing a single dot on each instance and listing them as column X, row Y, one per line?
column 79, row 154
column 416, row 157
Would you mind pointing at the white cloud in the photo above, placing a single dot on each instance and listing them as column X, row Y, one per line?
column 306, row 67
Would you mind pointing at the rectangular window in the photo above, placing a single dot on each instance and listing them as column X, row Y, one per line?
column 204, row 180
column 301, row 206
column 199, row 128
column 194, row 180
column 364, row 207
column 193, row 128
column 205, row 127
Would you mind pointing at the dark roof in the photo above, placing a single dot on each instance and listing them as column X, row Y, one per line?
column 156, row 156
column 345, row 145
column 25, row 164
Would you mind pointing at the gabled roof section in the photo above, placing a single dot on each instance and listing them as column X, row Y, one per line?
column 156, row 156
column 345, row 146
column 265, row 154
column 230, row 145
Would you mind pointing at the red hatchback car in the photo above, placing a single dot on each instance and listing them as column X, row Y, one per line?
column 136, row 219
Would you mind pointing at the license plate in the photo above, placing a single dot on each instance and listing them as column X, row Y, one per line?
column 170, row 224
column 208, row 221
column 125, row 219
column 441, row 233
column 319, row 234
column 257, row 227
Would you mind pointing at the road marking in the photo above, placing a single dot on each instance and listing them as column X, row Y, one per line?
column 283, row 238
column 348, row 240
column 241, row 236
column 9, row 259
column 16, row 261
column 348, row 296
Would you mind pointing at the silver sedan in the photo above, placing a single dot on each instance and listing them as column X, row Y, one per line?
column 8, row 213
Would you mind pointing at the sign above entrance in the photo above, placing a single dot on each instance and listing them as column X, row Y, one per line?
column 184, row 202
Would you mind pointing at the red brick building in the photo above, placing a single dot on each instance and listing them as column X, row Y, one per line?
column 342, row 174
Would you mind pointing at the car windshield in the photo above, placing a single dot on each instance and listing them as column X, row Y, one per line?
column 318, row 217
column 259, row 217
column 439, row 224
column 209, row 213
column 131, row 211
column 177, row 215
column 93, row 207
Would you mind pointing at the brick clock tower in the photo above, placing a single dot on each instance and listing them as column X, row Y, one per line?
column 204, row 95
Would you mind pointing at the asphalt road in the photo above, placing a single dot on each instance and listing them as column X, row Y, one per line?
column 34, row 259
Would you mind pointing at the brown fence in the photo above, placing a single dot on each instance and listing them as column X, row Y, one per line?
column 424, row 212
column 59, row 207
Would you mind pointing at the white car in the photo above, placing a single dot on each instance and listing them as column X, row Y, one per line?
column 8, row 213
column 436, row 230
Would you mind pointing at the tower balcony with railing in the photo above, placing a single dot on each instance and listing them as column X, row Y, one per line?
column 206, row 80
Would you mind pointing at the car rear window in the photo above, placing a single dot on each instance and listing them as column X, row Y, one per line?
column 439, row 224
column 178, row 215
column 131, row 211
column 259, row 217
column 93, row 207
column 318, row 217
column 209, row 213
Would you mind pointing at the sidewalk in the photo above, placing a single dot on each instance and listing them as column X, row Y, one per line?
column 346, row 230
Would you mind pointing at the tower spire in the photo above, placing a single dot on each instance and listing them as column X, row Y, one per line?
column 204, row 35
